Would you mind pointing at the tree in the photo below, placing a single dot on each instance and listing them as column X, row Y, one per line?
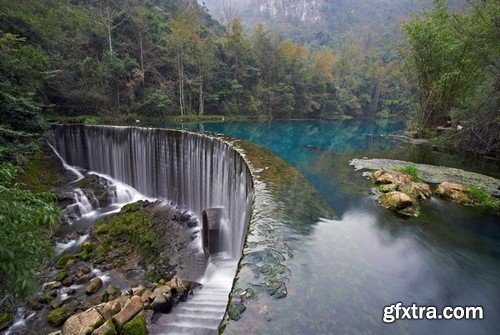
column 439, row 65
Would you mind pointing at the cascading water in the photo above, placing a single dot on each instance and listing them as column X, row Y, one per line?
column 82, row 202
column 196, row 172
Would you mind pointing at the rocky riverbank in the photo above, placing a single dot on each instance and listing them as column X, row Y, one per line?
column 115, row 269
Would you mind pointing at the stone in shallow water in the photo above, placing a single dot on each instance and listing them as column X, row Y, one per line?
column 399, row 202
column 94, row 286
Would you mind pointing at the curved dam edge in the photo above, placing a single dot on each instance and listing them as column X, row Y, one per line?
column 211, row 163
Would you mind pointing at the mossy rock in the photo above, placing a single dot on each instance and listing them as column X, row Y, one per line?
column 63, row 261
column 235, row 309
column 58, row 316
column 5, row 320
column 136, row 326
column 62, row 275
column 87, row 251
column 108, row 328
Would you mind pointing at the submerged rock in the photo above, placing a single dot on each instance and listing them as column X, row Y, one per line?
column 399, row 202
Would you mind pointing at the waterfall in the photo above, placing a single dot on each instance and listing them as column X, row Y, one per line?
column 195, row 172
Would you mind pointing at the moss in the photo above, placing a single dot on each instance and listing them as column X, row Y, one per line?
column 63, row 261
column 136, row 326
column 109, row 328
column 410, row 170
column 62, row 275
column 58, row 316
column 87, row 251
column 235, row 309
column 5, row 320
column 482, row 198
column 129, row 228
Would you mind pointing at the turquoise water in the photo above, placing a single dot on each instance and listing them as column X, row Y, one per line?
column 344, row 271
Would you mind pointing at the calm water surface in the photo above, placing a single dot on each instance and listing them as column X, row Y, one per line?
column 345, row 271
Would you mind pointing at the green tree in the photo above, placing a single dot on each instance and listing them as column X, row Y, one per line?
column 439, row 65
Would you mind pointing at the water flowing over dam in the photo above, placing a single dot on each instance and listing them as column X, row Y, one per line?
column 195, row 172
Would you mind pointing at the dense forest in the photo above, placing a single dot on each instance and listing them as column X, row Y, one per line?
column 136, row 59
column 157, row 58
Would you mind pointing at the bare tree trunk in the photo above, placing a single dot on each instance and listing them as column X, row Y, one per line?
column 109, row 24
column 202, row 101
column 181, row 85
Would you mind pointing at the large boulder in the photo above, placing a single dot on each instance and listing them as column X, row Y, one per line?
column 131, row 309
column 111, row 308
column 94, row 286
column 399, row 202
column 454, row 192
column 83, row 323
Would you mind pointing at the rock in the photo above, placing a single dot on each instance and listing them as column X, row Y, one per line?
column 108, row 328
column 56, row 303
column 82, row 270
column 63, row 261
column 83, row 323
column 179, row 285
column 52, row 286
column 138, row 290
column 454, row 192
column 94, row 286
column 111, row 308
column 5, row 321
column 162, row 303
column 67, row 281
column 399, row 202
column 145, row 295
column 131, row 309
column 58, row 316
column 136, row 326
column 113, row 292
column 417, row 190
column 235, row 309
column 62, row 275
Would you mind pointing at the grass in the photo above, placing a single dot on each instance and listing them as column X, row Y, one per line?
column 482, row 198
column 410, row 170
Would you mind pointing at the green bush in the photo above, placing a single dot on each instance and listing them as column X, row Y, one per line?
column 26, row 221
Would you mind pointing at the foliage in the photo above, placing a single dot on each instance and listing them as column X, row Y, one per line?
column 160, row 58
column 452, row 66
column 26, row 220
column 410, row 170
